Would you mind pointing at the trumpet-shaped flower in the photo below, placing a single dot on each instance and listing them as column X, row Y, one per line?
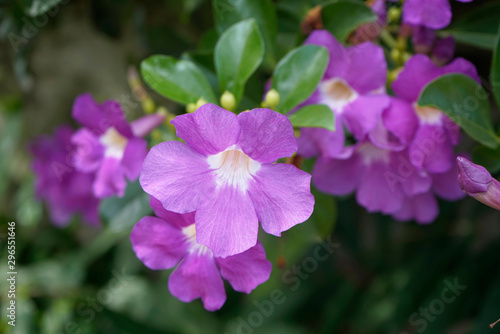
column 108, row 145
column 169, row 240
column 477, row 182
column 353, row 87
column 66, row 190
column 226, row 173
column 436, row 134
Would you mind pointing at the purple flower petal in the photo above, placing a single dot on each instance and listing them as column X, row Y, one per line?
column 245, row 271
column 88, row 113
column 176, row 219
column 266, row 135
column 197, row 276
column 423, row 208
column 144, row 125
column 89, row 151
column 177, row 176
column 338, row 176
column 362, row 115
column 282, row 197
column 417, row 73
column 209, row 130
column 318, row 141
column 462, row 66
column 431, row 149
column 435, row 14
column 446, row 185
column 157, row 243
column 366, row 68
column 133, row 157
column 226, row 222
column 110, row 179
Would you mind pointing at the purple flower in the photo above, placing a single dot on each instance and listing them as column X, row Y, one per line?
column 477, row 182
column 435, row 135
column 225, row 173
column 385, row 181
column 353, row 88
column 108, row 145
column 169, row 241
column 435, row 14
column 66, row 191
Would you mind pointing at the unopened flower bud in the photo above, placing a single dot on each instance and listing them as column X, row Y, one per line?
column 191, row 107
column 394, row 13
column 201, row 101
column 477, row 182
column 148, row 106
column 227, row 101
column 395, row 55
column 272, row 99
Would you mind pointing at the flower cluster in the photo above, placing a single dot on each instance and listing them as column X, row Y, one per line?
column 209, row 195
column 76, row 169
column 401, row 155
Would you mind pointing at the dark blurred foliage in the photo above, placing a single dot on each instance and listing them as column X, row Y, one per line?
column 380, row 276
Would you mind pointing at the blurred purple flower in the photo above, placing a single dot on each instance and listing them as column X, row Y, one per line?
column 353, row 87
column 66, row 191
column 226, row 173
column 108, row 145
column 477, row 182
column 435, row 14
column 169, row 240
column 435, row 135
column 385, row 181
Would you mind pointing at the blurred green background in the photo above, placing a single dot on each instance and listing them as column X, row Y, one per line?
column 84, row 280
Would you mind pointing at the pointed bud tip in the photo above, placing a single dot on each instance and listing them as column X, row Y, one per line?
column 472, row 178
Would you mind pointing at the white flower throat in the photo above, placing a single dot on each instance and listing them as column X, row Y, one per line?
column 337, row 93
column 190, row 233
column 233, row 168
column 114, row 143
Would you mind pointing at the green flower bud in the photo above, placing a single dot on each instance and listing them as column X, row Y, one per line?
column 227, row 101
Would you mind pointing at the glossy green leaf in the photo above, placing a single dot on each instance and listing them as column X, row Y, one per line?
column 478, row 27
column 297, row 75
column 229, row 12
column 495, row 69
column 465, row 102
column 238, row 53
column 313, row 116
column 122, row 213
column 178, row 80
column 342, row 17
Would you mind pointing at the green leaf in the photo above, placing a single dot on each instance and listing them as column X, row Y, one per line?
column 478, row 27
column 297, row 75
column 313, row 116
column 342, row 17
column 38, row 7
column 238, row 53
column 495, row 69
column 488, row 158
column 123, row 213
column 465, row 102
column 178, row 80
column 229, row 12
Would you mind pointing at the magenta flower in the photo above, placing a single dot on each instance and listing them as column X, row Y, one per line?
column 66, row 191
column 477, row 182
column 353, row 87
column 169, row 241
column 385, row 181
column 435, row 14
column 435, row 135
column 108, row 145
column 225, row 173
